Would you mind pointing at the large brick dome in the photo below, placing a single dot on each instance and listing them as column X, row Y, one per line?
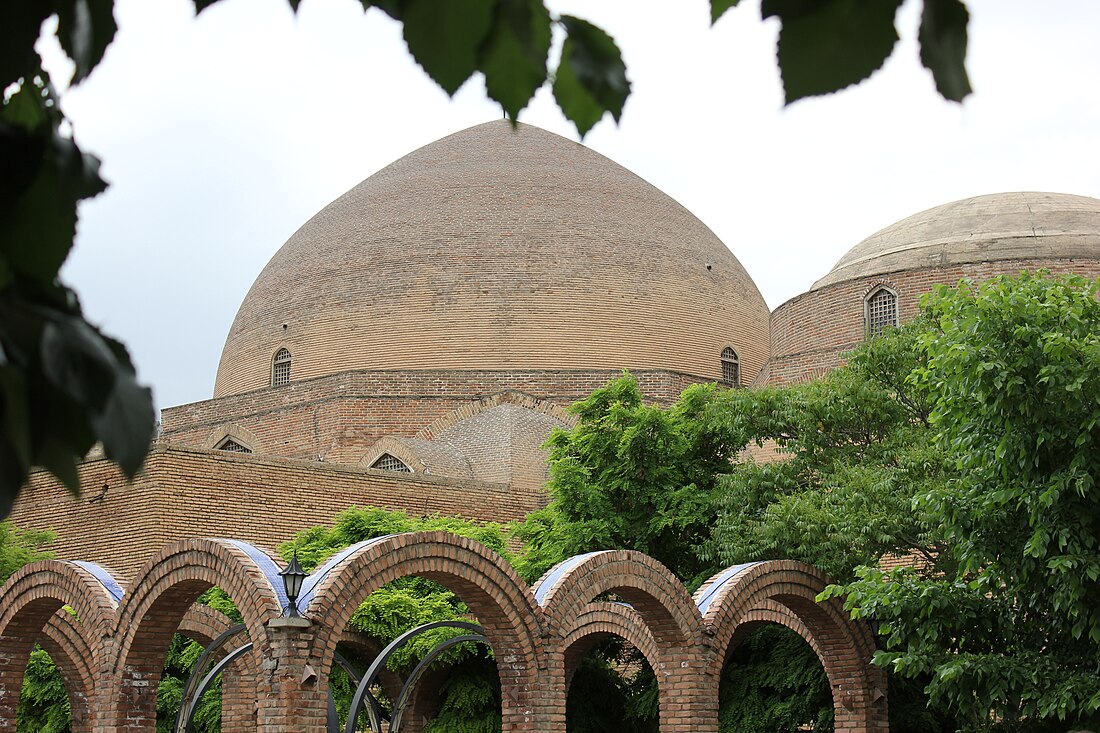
column 496, row 248
column 995, row 227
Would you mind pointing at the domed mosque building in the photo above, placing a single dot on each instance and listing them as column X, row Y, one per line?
column 414, row 343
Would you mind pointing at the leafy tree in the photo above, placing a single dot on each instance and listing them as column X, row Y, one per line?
column 43, row 701
column 633, row 476
column 81, row 383
column 471, row 697
column 637, row 476
column 1009, row 631
column 20, row 546
column 765, row 688
column 856, row 446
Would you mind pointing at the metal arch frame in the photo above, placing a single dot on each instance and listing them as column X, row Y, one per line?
column 198, row 683
column 403, row 699
column 379, row 662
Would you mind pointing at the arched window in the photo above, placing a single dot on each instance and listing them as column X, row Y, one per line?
column 280, row 368
column 731, row 367
column 881, row 310
column 386, row 462
column 233, row 446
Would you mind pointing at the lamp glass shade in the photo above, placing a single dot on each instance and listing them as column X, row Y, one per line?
column 293, row 577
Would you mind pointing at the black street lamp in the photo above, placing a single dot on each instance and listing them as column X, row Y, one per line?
column 293, row 577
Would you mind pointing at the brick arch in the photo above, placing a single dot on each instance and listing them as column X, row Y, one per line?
column 647, row 585
column 203, row 624
column 67, row 645
column 600, row 620
column 520, row 399
column 784, row 592
column 482, row 579
column 32, row 601
column 155, row 606
column 660, row 603
column 239, row 433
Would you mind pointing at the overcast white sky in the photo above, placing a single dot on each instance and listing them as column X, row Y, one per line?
column 221, row 135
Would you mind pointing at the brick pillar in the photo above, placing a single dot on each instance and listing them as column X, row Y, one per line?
column 862, row 709
column 688, row 704
column 238, row 698
column 290, row 694
column 13, row 663
column 549, row 716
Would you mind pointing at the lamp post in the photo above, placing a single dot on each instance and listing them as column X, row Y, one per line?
column 875, row 624
column 293, row 577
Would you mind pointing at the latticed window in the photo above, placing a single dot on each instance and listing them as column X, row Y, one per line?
column 731, row 367
column 882, row 311
column 280, row 368
column 386, row 462
column 233, row 446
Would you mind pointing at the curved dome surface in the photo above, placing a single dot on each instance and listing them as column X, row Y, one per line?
column 1002, row 226
column 496, row 248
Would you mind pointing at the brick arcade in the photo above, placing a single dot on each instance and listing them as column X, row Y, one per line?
column 111, row 645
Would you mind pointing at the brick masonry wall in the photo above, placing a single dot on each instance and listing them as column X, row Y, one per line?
column 340, row 416
column 809, row 333
column 184, row 493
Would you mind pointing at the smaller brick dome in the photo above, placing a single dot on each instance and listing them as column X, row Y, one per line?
column 1001, row 226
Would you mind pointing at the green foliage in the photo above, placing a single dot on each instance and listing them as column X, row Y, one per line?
column 943, row 40
column 179, row 663
column 591, row 78
column 613, row 689
column 830, row 44
column 632, row 476
column 858, row 448
column 471, row 697
column 773, row 681
column 21, row 546
column 1009, row 633
column 63, row 384
column 43, row 701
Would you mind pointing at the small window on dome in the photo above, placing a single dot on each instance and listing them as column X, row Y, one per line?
column 232, row 446
column 881, row 310
column 386, row 462
column 731, row 367
column 280, row 368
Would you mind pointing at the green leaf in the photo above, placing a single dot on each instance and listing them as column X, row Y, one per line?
column 77, row 362
column 126, row 424
column 38, row 221
column 591, row 78
column 444, row 37
column 718, row 8
column 513, row 58
column 201, row 5
column 22, row 23
column 85, row 29
column 943, row 41
column 827, row 45
column 576, row 103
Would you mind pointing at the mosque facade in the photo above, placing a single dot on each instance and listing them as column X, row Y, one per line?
column 414, row 343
